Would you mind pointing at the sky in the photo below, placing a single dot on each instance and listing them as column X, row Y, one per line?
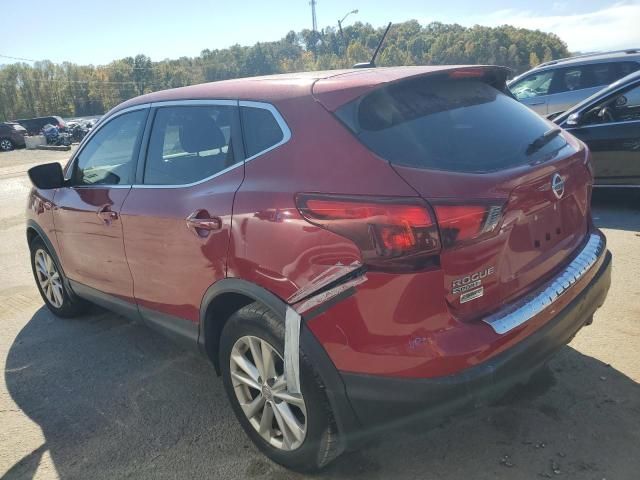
column 88, row 32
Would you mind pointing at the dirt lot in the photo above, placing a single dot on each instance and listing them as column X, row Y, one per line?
column 100, row 397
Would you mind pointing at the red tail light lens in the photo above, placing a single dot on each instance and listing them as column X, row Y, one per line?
column 467, row 73
column 464, row 223
column 392, row 234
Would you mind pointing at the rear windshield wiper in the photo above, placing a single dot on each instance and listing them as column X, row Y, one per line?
column 542, row 140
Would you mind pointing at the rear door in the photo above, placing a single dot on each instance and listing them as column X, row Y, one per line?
column 611, row 129
column 178, row 216
column 510, row 208
column 571, row 85
column 87, row 212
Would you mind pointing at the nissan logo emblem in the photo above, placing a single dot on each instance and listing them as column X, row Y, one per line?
column 557, row 185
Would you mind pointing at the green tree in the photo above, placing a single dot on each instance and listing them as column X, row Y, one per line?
column 45, row 88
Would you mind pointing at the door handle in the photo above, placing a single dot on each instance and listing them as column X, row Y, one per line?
column 201, row 223
column 107, row 215
column 536, row 103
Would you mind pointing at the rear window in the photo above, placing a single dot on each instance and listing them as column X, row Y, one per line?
column 455, row 125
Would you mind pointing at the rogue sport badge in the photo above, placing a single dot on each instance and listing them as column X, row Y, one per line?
column 557, row 185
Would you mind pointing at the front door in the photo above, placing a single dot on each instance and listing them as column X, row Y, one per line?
column 87, row 211
column 612, row 132
column 178, row 218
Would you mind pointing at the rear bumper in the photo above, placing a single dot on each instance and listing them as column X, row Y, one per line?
column 380, row 401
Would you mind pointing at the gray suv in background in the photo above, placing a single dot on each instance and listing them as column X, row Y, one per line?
column 556, row 86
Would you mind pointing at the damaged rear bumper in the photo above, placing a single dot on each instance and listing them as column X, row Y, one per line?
column 380, row 401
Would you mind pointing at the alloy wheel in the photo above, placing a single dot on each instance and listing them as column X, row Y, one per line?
column 49, row 278
column 6, row 145
column 257, row 374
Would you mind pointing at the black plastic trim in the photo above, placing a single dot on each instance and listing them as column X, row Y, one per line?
column 110, row 302
column 178, row 329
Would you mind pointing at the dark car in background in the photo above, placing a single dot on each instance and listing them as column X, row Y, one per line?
column 11, row 136
column 558, row 85
column 35, row 125
column 609, row 123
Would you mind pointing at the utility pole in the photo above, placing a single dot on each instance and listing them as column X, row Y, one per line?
column 313, row 15
column 340, row 27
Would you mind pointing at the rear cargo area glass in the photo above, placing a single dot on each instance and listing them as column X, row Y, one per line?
column 440, row 123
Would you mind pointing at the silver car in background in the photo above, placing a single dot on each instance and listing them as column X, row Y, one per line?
column 556, row 86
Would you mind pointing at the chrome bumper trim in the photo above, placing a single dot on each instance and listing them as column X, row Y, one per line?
column 532, row 305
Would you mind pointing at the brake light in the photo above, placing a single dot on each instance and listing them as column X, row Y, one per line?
column 464, row 223
column 467, row 73
column 393, row 234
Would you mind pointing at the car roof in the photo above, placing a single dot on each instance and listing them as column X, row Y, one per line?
column 623, row 82
column 632, row 54
column 281, row 87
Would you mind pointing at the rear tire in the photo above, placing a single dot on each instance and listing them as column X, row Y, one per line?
column 52, row 284
column 6, row 145
column 256, row 329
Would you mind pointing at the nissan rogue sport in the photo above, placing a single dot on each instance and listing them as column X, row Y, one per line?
column 349, row 248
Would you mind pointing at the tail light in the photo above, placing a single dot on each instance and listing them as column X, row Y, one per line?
column 461, row 224
column 393, row 234
column 466, row 73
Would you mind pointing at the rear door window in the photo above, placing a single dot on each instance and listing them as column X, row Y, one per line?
column 261, row 130
column 453, row 125
column 586, row 76
column 189, row 144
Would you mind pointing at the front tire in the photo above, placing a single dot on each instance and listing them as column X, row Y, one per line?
column 6, row 145
column 297, row 431
column 51, row 283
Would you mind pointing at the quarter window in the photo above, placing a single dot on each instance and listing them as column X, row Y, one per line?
column 261, row 130
column 189, row 144
column 109, row 157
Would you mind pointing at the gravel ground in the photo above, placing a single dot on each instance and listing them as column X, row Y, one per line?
column 101, row 397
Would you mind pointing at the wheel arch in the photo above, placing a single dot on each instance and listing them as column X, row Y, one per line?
column 34, row 231
column 227, row 296
column 223, row 299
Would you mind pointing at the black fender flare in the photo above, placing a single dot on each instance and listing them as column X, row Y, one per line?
column 343, row 412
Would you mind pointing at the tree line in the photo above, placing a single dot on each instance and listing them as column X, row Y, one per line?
column 67, row 89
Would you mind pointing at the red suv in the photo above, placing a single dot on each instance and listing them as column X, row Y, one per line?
column 349, row 248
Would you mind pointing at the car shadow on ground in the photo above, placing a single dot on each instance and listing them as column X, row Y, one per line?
column 115, row 399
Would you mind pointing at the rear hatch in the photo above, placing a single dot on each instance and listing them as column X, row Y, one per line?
column 510, row 193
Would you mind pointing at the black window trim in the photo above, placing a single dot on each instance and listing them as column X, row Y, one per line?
column 68, row 170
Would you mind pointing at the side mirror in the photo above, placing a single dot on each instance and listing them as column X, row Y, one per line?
column 573, row 120
column 47, row 176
